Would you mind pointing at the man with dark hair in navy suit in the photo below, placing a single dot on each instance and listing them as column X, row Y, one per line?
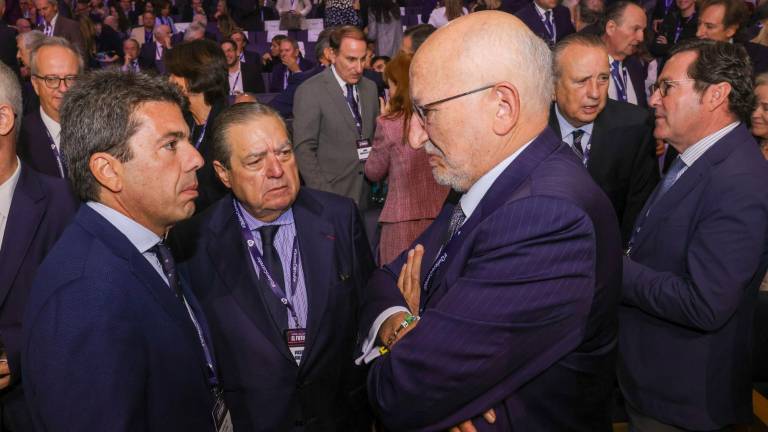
column 513, row 309
column 623, row 31
column 34, row 209
column 547, row 19
column 279, row 270
column 698, row 252
column 113, row 341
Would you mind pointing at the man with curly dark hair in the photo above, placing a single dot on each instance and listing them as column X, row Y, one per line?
column 698, row 251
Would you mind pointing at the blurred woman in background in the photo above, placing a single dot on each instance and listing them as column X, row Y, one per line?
column 414, row 198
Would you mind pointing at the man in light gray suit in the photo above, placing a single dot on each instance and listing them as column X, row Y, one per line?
column 334, row 120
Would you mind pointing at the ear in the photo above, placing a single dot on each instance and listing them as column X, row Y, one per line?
column 610, row 27
column 107, row 170
column 730, row 31
column 507, row 113
column 717, row 95
column 332, row 55
column 7, row 120
column 223, row 173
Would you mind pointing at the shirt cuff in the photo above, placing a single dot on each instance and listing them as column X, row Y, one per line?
column 369, row 351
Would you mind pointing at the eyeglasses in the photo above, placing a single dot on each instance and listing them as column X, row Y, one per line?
column 423, row 110
column 53, row 81
column 663, row 86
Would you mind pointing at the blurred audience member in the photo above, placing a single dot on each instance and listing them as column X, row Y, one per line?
column 291, row 62
column 384, row 27
column 272, row 58
column 144, row 34
column 414, row 36
column 243, row 77
column 549, row 20
column 760, row 115
column 678, row 25
column 623, row 31
column 442, row 15
column 720, row 20
column 378, row 63
column 414, row 198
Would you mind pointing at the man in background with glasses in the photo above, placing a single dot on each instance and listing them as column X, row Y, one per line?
column 698, row 251
column 506, row 305
column 55, row 66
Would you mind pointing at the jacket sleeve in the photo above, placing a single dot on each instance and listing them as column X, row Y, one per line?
column 519, row 305
column 724, row 248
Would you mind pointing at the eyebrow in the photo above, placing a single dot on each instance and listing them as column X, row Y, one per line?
column 174, row 134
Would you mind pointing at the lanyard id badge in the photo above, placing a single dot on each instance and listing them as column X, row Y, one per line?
column 296, row 339
column 221, row 417
column 363, row 149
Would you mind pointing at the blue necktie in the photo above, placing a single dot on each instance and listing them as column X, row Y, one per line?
column 618, row 79
column 580, row 151
column 354, row 107
column 549, row 26
column 163, row 255
column 275, row 268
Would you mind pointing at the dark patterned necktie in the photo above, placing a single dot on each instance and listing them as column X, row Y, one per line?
column 168, row 265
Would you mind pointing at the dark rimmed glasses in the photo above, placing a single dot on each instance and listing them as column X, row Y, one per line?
column 53, row 81
column 663, row 86
column 422, row 110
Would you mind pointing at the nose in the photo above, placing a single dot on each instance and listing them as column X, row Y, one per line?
column 273, row 168
column 592, row 89
column 63, row 86
column 655, row 99
column 193, row 160
column 417, row 134
column 700, row 32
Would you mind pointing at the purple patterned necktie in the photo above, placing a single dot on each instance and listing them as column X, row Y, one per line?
column 548, row 24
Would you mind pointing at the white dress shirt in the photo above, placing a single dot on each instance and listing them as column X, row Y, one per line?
column 566, row 130
column 6, row 197
column 631, row 91
column 469, row 202
column 694, row 152
column 54, row 129
column 236, row 81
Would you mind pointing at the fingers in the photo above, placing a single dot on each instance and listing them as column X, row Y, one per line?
column 467, row 426
column 401, row 279
column 490, row 416
column 418, row 254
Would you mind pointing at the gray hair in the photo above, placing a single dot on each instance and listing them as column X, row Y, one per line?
column 31, row 39
column 10, row 93
column 55, row 41
column 583, row 39
column 194, row 29
column 234, row 115
column 98, row 114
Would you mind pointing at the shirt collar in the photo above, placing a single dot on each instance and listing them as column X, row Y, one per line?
column 52, row 125
column 566, row 128
column 54, row 19
column 611, row 60
column 140, row 237
column 253, row 224
column 694, row 152
column 341, row 82
column 471, row 199
column 7, row 189
column 540, row 9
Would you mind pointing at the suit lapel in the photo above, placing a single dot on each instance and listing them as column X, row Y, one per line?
column 231, row 259
column 316, row 243
column 26, row 211
column 337, row 96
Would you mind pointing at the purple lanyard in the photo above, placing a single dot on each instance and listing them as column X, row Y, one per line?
column 277, row 289
column 233, row 90
column 56, row 153
column 213, row 380
column 621, row 82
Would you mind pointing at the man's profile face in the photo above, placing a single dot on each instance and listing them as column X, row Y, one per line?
column 349, row 60
column 230, row 53
column 711, row 25
column 287, row 50
column 53, row 61
column 624, row 39
column 159, row 184
column 263, row 173
column 680, row 112
column 46, row 9
column 581, row 90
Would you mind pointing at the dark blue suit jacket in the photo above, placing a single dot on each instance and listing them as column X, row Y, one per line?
column 264, row 387
column 35, row 145
column 283, row 102
column 690, row 289
column 522, row 315
column 278, row 73
column 107, row 345
column 41, row 208
column 561, row 17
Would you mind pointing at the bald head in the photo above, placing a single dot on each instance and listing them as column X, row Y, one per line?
column 507, row 98
column 519, row 57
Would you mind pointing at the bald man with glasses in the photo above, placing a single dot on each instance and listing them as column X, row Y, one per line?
column 55, row 66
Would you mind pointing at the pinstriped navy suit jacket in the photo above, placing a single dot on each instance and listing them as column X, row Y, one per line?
column 521, row 317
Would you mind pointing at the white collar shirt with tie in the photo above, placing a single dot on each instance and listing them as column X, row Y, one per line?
column 54, row 128
column 567, row 129
column 612, row 93
column 48, row 30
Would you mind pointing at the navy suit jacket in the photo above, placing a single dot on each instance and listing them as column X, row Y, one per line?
column 41, row 208
column 278, row 73
column 35, row 145
column 250, row 73
column 758, row 55
column 690, row 288
column 107, row 344
column 283, row 102
column 637, row 73
column 622, row 158
column 561, row 17
column 521, row 316
column 263, row 386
